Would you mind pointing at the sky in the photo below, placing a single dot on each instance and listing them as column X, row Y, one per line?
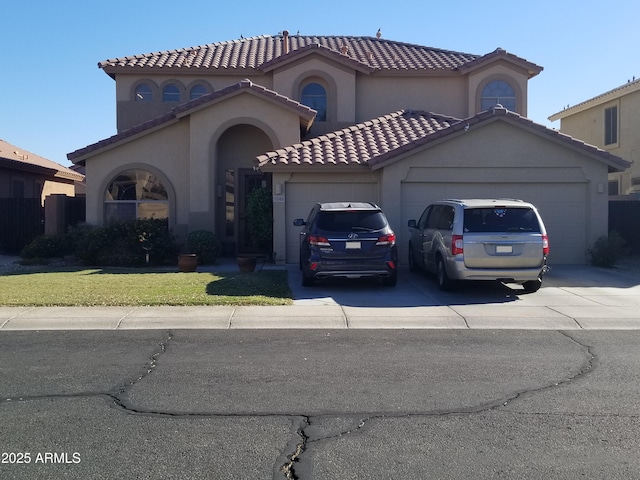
column 56, row 99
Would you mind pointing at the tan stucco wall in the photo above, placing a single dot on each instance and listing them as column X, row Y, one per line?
column 588, row 126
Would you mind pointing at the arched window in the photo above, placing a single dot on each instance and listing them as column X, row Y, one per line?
column 135, row 194
column 143, row 93
column 170, row 93
column 496, row 92
column 315, row 96
column 197, row 91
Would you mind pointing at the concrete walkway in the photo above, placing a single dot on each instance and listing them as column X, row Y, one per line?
column 572, row 298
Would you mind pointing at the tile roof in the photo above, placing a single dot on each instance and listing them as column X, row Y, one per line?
column 306, row 114
column 256, row 53
column 376, row 142
column 15, row 157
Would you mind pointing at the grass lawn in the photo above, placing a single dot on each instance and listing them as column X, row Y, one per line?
column 64, row 286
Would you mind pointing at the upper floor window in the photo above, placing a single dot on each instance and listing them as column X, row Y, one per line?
column 143, row 93
column 315, row 96
column 135, row 194
column 611, row 125
column 498, row 92
column 170, row 93
column 197, row 91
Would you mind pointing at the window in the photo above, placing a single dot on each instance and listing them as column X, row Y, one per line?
column 315, row 96
column 611, row 125
column 498, row 92
column 197, row 91
column 143, row 93
column 170, row 93
column 135, row 194
column 614, row 188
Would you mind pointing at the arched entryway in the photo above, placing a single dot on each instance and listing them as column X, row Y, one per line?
column 236, row 151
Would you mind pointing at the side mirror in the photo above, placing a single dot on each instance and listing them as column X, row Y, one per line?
column 412, row 224
column 299, row 222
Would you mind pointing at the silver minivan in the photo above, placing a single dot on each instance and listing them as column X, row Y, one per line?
column 480, row 239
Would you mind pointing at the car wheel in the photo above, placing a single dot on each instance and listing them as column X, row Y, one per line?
column 413, row 266
column 532, row 286
column 391, row 280
column 444, row 282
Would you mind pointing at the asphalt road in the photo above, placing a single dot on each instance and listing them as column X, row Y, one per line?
column 320, row 404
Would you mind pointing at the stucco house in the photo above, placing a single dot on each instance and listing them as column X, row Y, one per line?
column 329, row 118
column 610, row 121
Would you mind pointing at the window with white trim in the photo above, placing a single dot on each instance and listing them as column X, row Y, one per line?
column 611, row 125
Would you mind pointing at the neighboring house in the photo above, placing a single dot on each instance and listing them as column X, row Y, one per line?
column 610, row 121
column 25, row 175
column 334, row 118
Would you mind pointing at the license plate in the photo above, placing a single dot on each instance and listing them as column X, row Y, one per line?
column 353, row 245
column 504, row 249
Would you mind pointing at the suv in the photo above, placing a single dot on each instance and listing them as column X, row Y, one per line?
column 347, row 239
column 494, row 239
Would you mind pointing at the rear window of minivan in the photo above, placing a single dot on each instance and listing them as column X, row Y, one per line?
column 500, row 219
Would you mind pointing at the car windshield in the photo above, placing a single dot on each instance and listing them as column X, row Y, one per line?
column 347, row 221
column 500, row 219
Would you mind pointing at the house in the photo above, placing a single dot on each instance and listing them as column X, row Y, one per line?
column 610, row 121
column 26, row 175
column 318, row 118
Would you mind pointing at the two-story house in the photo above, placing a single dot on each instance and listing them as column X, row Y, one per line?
column 610, row 121
column 331, row 118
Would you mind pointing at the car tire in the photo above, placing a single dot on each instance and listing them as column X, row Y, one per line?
column 532, row 286
column 391, row 280
column 444, row 282
column 413, row 266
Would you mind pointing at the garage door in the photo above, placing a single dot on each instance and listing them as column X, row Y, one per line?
column 563, row 207
column 301, row 197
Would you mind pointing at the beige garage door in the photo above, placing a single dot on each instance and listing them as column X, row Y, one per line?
column 301, row 197
column 563, row 207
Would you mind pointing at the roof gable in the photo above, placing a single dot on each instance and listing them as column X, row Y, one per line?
column 305, row 114
column 386, row 139
column 501, row 54
column 317, row 49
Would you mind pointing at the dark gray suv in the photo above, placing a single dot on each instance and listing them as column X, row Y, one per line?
column 347, row 239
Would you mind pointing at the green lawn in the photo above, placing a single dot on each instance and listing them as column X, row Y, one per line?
column 134, row 287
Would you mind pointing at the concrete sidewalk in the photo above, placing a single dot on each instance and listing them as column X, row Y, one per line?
column 572, row 298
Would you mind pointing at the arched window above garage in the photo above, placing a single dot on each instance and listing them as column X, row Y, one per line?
column 315, row 96
column 498, row 92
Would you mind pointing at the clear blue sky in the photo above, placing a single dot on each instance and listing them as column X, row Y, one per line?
column 56, row 100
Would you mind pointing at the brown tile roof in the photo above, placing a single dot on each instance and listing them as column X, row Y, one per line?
column 306, row 114
column 20, row 159
column 257, row 53
column 374, row 143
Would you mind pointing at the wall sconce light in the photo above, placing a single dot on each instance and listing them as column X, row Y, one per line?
column 278, row 189
column 600, row 187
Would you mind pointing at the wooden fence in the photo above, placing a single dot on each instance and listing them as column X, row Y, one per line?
column 21, row 220
column 624, row 218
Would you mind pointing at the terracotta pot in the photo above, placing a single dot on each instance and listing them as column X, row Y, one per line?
column 247, row 263
column 187, row 262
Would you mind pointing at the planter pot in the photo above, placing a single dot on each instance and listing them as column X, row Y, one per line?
column 187, row 262
column 247, row 263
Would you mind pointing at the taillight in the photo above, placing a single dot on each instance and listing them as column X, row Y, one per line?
column 318, row 241
column 545, row 245
column 389, row 239
column 456, row 244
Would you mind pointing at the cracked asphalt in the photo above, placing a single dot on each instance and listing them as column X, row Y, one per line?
column 320, row 404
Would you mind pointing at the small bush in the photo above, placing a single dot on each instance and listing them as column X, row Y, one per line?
column 205, row 244
column 47, row 246
column 607, row 250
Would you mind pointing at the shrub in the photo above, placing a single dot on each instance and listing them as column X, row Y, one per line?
column 125, row 244
column 260, row 219
column 205, row 244
column 47, row 246
column 607, row 250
